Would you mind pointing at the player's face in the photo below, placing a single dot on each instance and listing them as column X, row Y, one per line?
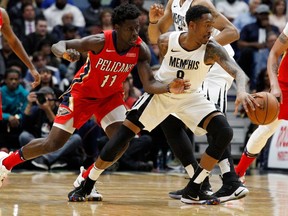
column 128, row 32
column 204, row 28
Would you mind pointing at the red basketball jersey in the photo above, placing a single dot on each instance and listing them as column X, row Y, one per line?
column 103, row 74
column 283, row 71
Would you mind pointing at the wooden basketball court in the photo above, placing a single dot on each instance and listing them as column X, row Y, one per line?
column 143, row 194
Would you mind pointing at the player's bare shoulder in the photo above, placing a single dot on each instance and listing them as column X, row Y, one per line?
column 95, row 42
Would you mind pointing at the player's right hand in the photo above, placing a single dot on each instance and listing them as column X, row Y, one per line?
column 71, row 55
column 156, row 12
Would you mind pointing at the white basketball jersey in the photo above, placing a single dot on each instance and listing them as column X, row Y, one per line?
column 179, row 13
column 179, row 63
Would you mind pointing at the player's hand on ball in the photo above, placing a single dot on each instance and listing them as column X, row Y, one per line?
column 178, row 86
column 71, row 55
column 247, row 100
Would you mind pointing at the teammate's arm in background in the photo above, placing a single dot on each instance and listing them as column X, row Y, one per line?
column 162, row 18
column 228, row 32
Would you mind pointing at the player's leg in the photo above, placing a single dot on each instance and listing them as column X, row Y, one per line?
column 182, row 147
column 35, row 148
column 256, row 142
column 218, row 127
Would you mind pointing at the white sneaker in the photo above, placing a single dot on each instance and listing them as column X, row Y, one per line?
column 94, row 195
column 3, row 171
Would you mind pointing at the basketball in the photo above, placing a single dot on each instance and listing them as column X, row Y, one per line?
column 268, row 110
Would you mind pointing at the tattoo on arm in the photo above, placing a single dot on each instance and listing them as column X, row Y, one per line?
column 275, row 68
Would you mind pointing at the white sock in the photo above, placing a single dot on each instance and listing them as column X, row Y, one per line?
column 95, row 173
column 224, row 166
column 190, row 170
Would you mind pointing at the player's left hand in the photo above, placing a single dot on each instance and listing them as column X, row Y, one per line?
column 246, row 100
column 178, row 86
column 71, row 55
column 36, row 76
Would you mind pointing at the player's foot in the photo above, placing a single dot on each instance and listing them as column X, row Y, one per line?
column 190, row 196
column 232, row 191
column 94, row 195
column 242, row 179
column 3, row 171
column 81, row 193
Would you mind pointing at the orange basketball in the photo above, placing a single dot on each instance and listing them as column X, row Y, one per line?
column 268, row 110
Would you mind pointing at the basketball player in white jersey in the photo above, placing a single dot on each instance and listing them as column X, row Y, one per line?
column 216, row 86
column 186, row 55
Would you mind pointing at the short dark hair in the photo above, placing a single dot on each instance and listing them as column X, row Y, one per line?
column 195, row 13
column 9, row 70
column 125, row 12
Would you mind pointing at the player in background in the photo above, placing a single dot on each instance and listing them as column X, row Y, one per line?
column 216, row 85
column 279, row 88
column 97, row 87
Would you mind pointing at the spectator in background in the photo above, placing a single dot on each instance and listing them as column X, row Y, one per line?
column 25, row 25
column 92, row 14
column 67, row 20
column 31, row 42
column 38, row 118
column 40, row 62
column 232, row 8
column 55, row 12
column 278, row 16
column 15, row 11
column 105, row 22
column 261, row 58
column 47, row 3
column 14, row 101
column 252, row 40
column 246, row 18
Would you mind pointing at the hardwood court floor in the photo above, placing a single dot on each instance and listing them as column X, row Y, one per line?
column 135, row 194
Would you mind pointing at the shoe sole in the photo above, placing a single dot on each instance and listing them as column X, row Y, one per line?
column 76, row 199
column 94, row 199
column 201, row 202
column 173, row 196
column 241, row 192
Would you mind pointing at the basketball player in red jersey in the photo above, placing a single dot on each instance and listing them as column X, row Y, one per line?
column 97, row 87
column 279, row 87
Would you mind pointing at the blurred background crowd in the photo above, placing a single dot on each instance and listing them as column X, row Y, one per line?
column 41, row 23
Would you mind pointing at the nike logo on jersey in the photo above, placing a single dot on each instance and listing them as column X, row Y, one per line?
column 172, row 50
column 237, row 194
column 108, row 50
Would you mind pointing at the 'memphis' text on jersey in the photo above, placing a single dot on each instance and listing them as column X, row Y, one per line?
column 183, row 63
column 113, row 66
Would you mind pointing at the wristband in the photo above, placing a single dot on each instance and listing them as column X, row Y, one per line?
column 153, row 22
column 168, row 88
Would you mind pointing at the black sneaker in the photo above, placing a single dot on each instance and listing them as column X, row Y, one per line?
column 231, row 191
column 80, row 193
column 176, row 194
column 198, row 197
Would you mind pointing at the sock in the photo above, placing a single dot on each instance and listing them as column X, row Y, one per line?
column 95, row 173
column 224, row 166
column 13, row 159
column 245, row 161
column 200, row 175
column 190, row 170
column 86, row 173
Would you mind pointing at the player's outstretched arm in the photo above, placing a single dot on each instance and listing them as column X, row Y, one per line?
column 17, row 47
column 215, row 53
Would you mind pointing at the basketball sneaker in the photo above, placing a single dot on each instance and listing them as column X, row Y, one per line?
column 191, row 196
column 3, row 171
column 94, row 195
column 232, row 191
column 80, row 193
column 205, row 188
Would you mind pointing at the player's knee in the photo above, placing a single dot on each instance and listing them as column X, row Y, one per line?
column 221, row 134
